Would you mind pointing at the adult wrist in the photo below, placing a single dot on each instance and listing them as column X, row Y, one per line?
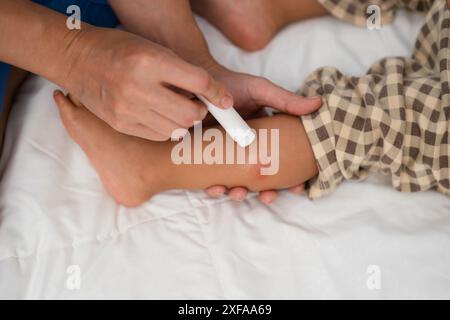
column 75, row 45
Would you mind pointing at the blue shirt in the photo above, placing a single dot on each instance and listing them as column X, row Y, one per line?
column 95, row 12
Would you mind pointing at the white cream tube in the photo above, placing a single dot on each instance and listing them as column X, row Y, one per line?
column 232, row 122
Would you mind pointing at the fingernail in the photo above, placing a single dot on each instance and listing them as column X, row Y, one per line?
column 218, row 193
column 313, row 98
column 268, row 201
column 298, row 190
column 238, row 198
column 227, row 102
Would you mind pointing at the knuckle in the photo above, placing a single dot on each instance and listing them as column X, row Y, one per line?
column 137, row 57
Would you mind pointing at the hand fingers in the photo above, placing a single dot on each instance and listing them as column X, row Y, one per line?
column 235, row 194
column 267, row 93
column 142, row 131
column 216, row 191
column 168, row 112
column 300, row 189
column 268, row 197
column 238, row 194
column 197, row 80
column 160, row 124
column 181, row 109
column 68, row 110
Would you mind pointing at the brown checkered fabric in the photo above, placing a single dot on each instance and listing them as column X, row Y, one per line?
column 355, row 11
column 395, row 119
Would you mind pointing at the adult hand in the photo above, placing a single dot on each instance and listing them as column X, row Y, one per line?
column 129, row 83
column 251, row 94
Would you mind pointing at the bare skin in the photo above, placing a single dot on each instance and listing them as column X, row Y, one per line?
column 252, row 24
column 133, row 169
column 124, row 79
column 182, row 35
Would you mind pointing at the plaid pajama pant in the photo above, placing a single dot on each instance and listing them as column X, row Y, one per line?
column 395, row 119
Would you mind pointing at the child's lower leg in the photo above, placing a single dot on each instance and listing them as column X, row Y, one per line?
column 294, row 164
column 133, row 169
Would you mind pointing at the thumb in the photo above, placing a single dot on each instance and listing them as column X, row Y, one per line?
column 66, row 108
column 199, row 81
column 267, row 93
column 214, row 91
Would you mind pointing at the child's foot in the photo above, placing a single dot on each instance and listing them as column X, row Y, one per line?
column 250, row 24
column 118, row 159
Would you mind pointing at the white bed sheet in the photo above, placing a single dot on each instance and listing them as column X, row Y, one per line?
column 54, row 212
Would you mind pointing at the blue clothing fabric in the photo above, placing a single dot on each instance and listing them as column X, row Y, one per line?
column 4, row 76
column 95, row 12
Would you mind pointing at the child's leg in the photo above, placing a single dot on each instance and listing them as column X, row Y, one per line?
column 134, row 169
column 394, row 120
column 251, row 24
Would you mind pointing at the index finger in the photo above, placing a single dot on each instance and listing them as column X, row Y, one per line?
column 196, row 80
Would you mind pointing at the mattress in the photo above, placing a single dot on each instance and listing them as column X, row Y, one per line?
column 63, row 237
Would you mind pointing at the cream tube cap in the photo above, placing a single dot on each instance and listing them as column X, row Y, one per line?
column 232, row 122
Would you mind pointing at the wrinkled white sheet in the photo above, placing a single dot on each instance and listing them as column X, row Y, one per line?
column 55, row 213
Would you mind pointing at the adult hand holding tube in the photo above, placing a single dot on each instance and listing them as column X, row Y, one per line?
column 128, row 82
column 124, row 79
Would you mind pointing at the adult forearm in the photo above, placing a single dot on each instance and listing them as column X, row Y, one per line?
column 169, row 23
column 36, row 39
